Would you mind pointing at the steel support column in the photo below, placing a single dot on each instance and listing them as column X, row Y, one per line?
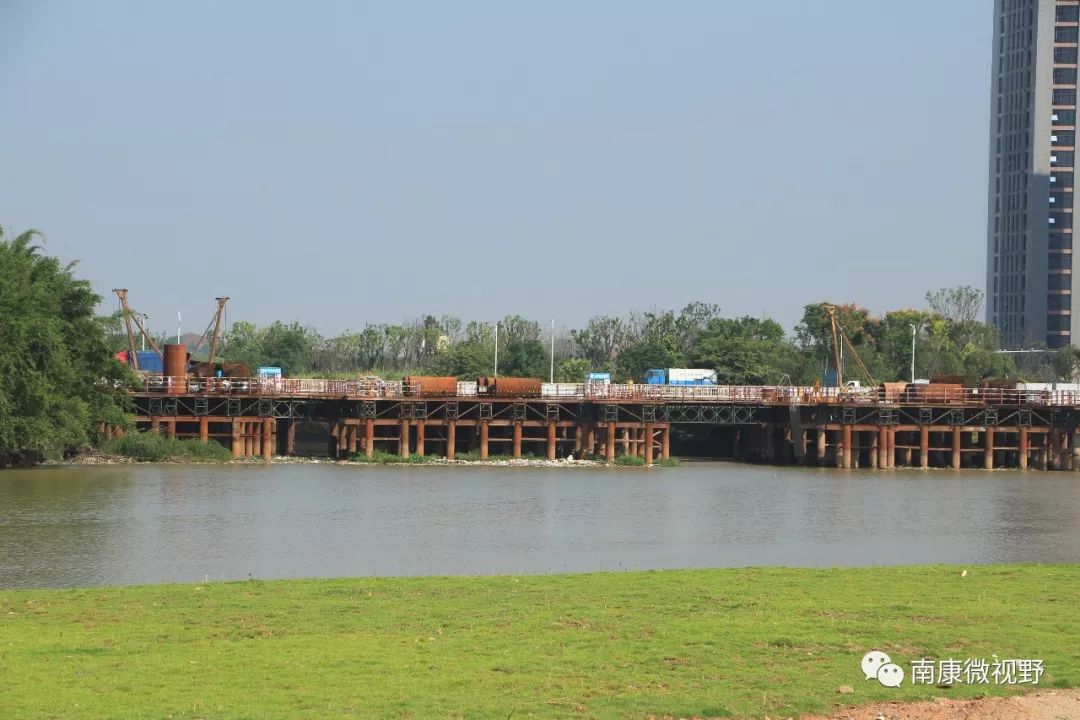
column 956, row 447
column 237, row 439
column 1023, row 449
column 924, row 446
column 268, row 438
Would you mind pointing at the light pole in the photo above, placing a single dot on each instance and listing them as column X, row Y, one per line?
column 913, row 331
column 496, row 348
column 552, row 351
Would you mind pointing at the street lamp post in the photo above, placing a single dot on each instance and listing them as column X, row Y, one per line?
column 913, row 331
column 496, row 349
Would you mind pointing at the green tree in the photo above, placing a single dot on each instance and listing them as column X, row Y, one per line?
column 1066, row 364
column 58, row 379
column 743, row 351
column 636, row 359
column 573, row 370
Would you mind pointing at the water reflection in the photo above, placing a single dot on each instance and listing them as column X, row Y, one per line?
column 134, row 524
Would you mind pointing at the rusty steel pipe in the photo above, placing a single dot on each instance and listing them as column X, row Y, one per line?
column 428, row 385
column 176, row 358
column 516, row 387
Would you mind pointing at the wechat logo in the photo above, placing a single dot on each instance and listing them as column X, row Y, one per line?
column 876, row 664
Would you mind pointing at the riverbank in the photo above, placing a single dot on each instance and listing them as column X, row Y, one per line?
column 181, row 455
column 102, row 458
column 686, row 643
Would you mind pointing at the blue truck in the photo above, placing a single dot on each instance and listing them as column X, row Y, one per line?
column 680, row 376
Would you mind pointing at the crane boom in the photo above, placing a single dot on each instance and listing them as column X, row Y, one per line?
column 840, row 337
column 217, row 326
column 133, row 356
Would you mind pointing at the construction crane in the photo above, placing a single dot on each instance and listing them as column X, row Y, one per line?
column 129, row 317
column 839, row 340
column 215, row 323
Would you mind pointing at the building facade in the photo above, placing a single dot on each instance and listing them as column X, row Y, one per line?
column 1029, row 283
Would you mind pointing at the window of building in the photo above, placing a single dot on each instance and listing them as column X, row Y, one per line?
column 1065, row 76
column 1063, row 117
column 1068, row 13
column 1060, row 261
column 1063, row 158
column 1064, row 97
column 1063, row 138
column 1058, row 302
column 1065, row 34
column 1055, row 342
column 1065, row 56
column 1058, row 322
column 1058, row 281
column 1061, row 180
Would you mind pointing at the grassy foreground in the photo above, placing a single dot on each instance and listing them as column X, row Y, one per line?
column 628, row 645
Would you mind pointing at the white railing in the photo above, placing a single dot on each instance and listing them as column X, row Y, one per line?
column 735, row 394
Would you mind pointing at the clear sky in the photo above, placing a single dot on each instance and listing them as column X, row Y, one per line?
column 339, row 163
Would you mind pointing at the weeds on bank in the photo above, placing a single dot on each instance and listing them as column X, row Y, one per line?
column 153, row 447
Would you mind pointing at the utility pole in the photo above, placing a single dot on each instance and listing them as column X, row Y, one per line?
column 913, row 331
column 552, row 351
column 496, row 348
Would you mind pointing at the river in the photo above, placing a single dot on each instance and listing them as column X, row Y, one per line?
column 125, row 524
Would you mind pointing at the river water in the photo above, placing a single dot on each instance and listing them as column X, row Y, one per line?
column 122, row 524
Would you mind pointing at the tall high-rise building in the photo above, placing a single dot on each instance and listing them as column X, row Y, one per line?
column 1029, row 277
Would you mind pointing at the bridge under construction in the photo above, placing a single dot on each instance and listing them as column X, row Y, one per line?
column 930, row 426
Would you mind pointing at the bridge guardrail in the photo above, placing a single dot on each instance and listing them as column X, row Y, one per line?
column 721, row 394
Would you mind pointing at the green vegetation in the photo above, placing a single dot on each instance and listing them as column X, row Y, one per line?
column 153, row 447
column 381, row 457
column 949, row 339
column 629, row 461
column 58, row 380
column 695, row 643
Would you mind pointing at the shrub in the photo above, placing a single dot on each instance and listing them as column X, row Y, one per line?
column 153, row 447
column 629, row 460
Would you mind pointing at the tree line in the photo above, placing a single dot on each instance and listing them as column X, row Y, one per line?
column 948, row 336
column 59, row 380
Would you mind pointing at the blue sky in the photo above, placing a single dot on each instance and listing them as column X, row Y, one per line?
column 339, row 163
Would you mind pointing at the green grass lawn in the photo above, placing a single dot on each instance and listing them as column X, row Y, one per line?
column 612, row 645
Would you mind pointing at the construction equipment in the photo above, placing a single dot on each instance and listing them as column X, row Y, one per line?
column 839, row 340
column 211, row 367
column 129, row 317
column 215, row 323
